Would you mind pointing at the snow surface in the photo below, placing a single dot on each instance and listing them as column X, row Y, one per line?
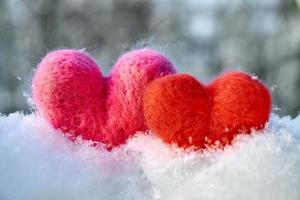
column 38, row 162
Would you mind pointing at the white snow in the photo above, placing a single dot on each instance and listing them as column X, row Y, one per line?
column 39, row 163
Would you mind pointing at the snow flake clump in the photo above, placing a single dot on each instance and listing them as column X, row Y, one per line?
column 38, row 162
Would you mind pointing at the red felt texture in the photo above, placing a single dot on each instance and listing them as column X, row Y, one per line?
column 181, row 110
column 70, row 92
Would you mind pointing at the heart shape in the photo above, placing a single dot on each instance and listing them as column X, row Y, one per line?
column 70, row 92
column 181, row 110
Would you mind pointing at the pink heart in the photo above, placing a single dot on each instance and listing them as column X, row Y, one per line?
column 70, row 92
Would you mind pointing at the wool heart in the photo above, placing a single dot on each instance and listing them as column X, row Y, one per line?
column 70, row 92
column 181, row 110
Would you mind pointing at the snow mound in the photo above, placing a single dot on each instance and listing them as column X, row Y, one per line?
column 38, row 162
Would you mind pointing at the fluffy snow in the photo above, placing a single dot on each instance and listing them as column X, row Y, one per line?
column 39, row 163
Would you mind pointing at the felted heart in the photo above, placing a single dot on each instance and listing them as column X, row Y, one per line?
column 181, row 110
column 70, row 91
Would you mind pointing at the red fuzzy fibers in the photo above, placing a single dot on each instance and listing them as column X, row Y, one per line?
column 177, row 109
column 181, row 110
column 239, row 103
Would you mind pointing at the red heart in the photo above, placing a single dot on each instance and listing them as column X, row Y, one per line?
column 70, row 92
column 182, row 110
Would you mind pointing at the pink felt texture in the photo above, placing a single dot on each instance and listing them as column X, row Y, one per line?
column 70, row 92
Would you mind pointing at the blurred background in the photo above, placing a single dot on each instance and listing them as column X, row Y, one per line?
column 202, row 37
